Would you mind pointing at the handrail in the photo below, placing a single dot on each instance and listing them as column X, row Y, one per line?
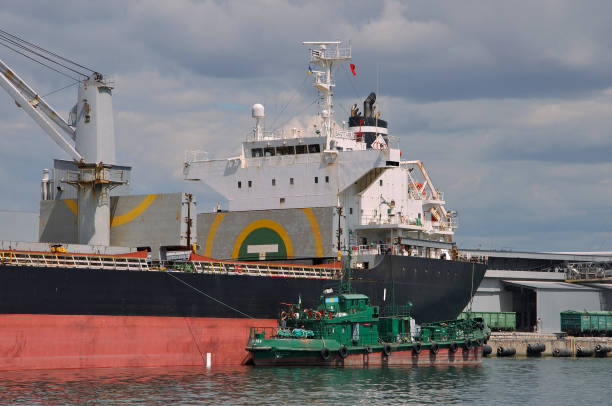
column 85, row 261
column 78, row 261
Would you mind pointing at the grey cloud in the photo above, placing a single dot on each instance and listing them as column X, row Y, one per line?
column 507, row 103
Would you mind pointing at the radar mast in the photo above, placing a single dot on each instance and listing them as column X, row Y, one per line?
column 325, row 54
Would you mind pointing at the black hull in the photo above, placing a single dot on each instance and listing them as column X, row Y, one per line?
column 438, row 289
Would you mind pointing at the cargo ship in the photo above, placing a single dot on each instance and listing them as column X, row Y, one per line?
column 125, row 280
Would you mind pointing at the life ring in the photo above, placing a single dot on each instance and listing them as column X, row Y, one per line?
column 317, row 316
column 434, row 348
column 283, row 315
column 325, row 353
column 238, row 269
column 416, row 348
column 343, row 351
column 467, row 344
column 387, row 349
column 452, row 347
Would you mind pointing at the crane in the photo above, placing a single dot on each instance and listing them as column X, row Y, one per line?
column 87, row 137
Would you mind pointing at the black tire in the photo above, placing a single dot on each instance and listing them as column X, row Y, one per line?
column 416, row 348
column 434, row 348
column 467, row 344
column 387, row 349
column 325, row 353
column 479, row 342
column 453, row 347
column 343, row 352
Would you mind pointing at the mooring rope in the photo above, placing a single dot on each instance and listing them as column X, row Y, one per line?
column 210, row 297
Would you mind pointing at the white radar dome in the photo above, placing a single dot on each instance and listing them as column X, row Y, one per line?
column 257, row 111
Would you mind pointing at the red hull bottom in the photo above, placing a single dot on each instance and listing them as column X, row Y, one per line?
column 40, row 341
column 444, row 357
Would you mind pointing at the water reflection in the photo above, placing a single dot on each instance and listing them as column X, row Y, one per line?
column 519, row 381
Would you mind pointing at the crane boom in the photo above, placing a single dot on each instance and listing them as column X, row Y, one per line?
column 37, row 109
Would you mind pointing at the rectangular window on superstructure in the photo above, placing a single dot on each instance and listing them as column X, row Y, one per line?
column 270, row 151
column 288, row 150
column 301, row 149
column 327, row 179
column 239, row 184
column 380, row 182
column 314, row 148
column 256, row 152
column 350, row 210
column 291, row 181
column 250, row 183
column 316, row 179
column 273, row 182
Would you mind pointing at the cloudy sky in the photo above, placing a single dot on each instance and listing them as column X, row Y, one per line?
column 509, row 104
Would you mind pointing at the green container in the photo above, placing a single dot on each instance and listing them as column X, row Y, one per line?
column 497, row 321
column 587, row 323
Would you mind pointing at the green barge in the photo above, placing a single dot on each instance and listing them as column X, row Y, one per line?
column 345, row 329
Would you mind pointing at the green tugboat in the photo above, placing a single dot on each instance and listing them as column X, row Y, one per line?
column 345, row 329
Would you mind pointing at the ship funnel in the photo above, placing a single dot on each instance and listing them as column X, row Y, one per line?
column 368, row 105
column 257, row 112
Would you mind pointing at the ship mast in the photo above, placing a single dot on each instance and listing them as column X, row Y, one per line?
column 325, row 54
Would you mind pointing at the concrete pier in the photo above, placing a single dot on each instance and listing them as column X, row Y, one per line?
column 520, row 341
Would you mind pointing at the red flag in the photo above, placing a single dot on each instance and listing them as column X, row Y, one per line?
column 353, row 69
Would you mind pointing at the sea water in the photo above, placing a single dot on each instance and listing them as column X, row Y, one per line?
column 545, row 381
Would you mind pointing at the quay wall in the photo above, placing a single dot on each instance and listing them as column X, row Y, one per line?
column 520, row 341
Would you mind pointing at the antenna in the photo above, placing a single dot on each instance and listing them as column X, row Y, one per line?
column 325, row 54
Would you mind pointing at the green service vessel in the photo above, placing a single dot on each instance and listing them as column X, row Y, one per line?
column 345, row 329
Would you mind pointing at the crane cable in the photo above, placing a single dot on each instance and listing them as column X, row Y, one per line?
column 25, row 48
column 39, row 62
column 47, row 51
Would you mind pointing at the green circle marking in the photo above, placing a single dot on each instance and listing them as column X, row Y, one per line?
column 259, row 238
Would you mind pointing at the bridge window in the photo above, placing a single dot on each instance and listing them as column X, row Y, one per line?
column 239, row 184
column 273, row 182
column 314, row 148
column 291, row 181
column 257, row 152
column 316, row 179
column 327, row 179
column 289, row 150
column 301, row 149
column 270, row 151
column 250, row 184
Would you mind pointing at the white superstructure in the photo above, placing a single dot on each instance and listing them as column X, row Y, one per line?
column 384, row 201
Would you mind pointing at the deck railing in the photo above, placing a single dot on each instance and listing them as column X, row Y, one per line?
column 84, row 261
column 266, row 269
column 67, row 260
